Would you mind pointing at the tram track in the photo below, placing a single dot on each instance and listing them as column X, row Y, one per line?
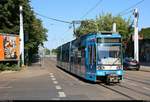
column 137, row 81
column 116, row 91
column 134, row 90
column 125, row 91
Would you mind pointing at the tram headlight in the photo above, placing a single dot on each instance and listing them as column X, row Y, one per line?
column 119, row 67
column 100, row 67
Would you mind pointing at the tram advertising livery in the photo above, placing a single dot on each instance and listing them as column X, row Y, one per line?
column 94, row 57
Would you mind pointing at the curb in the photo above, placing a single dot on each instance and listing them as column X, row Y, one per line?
column 144, row 70
column 7, row 72
column 24, row 68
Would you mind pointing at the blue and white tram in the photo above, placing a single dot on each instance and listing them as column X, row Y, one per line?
column 95, row 56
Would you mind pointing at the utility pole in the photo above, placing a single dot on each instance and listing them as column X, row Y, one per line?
column 21, row 37
column 73, row 24
column 136, row 37
column 74, row 30
column 114, row 27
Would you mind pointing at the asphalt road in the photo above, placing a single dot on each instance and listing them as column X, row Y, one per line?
column 51, row 83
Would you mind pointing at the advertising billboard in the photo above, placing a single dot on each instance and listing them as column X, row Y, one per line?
column 9, row 47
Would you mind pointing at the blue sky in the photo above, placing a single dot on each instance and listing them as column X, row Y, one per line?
column 68, row 10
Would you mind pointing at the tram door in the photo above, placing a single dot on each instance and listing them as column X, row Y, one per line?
column 91, row 61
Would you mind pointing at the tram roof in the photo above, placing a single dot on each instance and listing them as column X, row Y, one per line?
column 102, row 34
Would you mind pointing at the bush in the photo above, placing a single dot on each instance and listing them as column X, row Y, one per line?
column 2, row 67
column 8, row 66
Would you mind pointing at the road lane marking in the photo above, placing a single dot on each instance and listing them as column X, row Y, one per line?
column 62, row 94
column 51, row 73
column 53, row 78
column 5, row 87
column 55, row 82
column 146, row 88
column 74, row 78
column 58, row 87
column 55, row 99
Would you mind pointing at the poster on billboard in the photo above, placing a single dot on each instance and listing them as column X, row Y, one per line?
column 9, row 47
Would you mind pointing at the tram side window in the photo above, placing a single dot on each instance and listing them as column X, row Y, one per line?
column 66, row 55
column 94, row 54
column 79, row 57
column 58, row 55
column 72, row 55
column 82, row 56
column 90, row 54
column 62, row 55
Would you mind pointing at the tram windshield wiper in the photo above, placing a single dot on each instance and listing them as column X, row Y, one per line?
column 115, row 61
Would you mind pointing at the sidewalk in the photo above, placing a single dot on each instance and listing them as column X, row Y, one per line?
column 145, row 67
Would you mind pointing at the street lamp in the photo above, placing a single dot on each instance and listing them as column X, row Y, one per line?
column 136, row 37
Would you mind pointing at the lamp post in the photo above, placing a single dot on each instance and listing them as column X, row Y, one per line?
column 21, row 37
column 136, row 37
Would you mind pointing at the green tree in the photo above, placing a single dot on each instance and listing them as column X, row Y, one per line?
column 104, row 22
column 47, row 51
column 123, row 26
column 9, row 16
column 87, row 26
column 145, row 32
column 9, row 23
column 54, row 51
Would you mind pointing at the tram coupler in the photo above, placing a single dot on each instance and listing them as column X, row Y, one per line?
column 112, row 78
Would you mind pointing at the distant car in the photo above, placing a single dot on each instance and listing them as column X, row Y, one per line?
column 130, row 63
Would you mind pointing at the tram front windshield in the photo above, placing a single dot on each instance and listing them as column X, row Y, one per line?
column 109, row 55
